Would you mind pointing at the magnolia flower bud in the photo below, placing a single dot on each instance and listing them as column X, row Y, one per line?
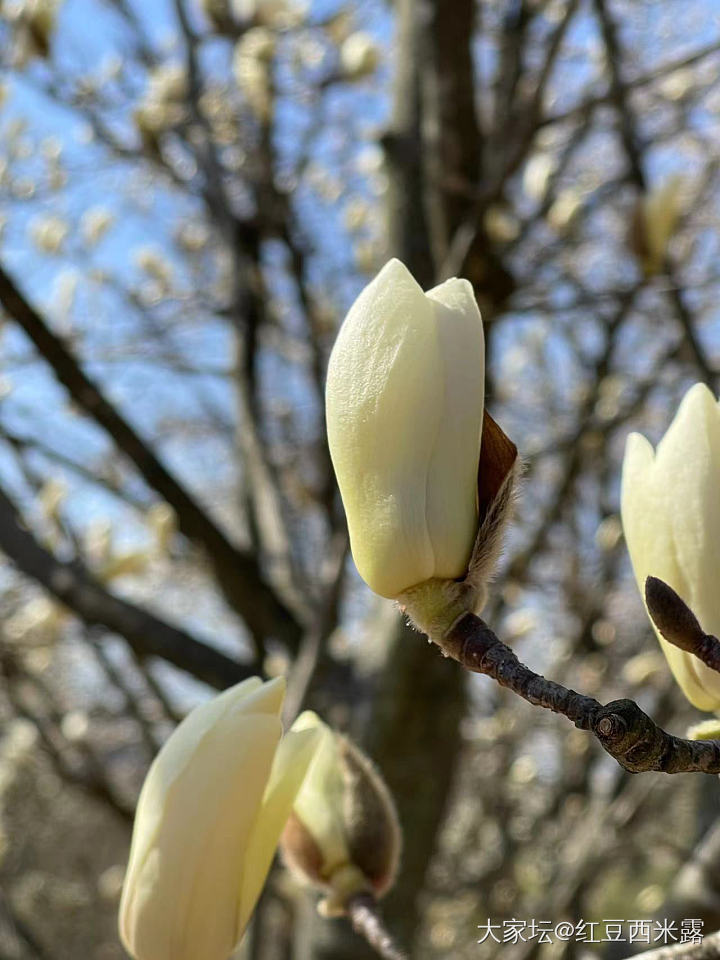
column 655, row 220
column 671, row 519
column 252, row 63
column 358, row 55
column 207, row 824
column 404, row 398
column 343, row 834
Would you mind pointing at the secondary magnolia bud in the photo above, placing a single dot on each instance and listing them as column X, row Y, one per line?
column 671, row 519
column 343, row 834
column 654, row 223
column 358, row 56
column 208, row 821
column 405, row 391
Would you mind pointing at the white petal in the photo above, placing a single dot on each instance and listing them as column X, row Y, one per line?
column 452, row 513
column 320, row 802
column 209, row 751
column 657, row 504
column 689, row 457
column 182, row 902
column 384, row 403
column 292, row 760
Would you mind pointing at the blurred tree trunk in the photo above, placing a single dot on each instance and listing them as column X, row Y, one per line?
column 413, row 736
column 413, row 732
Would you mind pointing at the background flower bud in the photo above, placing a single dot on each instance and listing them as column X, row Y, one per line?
column 671, row 519
column 208, row 820
column 343, row 834
column 404, row 401
column 654, row 223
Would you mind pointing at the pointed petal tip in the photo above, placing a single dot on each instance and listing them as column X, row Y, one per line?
column 307, row 720
column 395, row 271
column 699, row 394
column 304, row 742
column 266, row 698
column 638, row 452
column 457, row 294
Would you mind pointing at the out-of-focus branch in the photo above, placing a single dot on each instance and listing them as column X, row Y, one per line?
column 314, row 641
column 147, row 634
column 574, row 453
column 695, row 891
column 618, row 95
column 237, row 572
column 407, row 221
column 469, row 230
column 365, row 919
column 14, row 932
column 631, row 143
column 643, row 80
column 23, row 444
column 86, row 773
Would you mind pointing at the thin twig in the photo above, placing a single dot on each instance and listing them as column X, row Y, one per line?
column 624, row 731
column 73, row 585
column 366, row 921
column 237, row 571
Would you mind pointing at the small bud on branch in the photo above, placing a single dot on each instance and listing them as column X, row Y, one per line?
column 678, row 624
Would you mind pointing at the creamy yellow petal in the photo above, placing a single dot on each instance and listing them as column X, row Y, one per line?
column 319, row 804
column 689, row 459
column 292, row 760
column 170, row 763
column 177, row 752
column 452, row 512
column 182, row 902
column 655, row 507
column 384, row 402
column 220, row 726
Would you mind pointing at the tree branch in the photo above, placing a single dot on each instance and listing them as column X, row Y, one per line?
column 366, row 921
column 72, row 585
column 237, row 572
column 622, row 728
column 632, row 146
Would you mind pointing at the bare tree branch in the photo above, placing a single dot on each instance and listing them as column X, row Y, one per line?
column 621, row 727
column 365, row 919
column 147, row 634
column 237, row 571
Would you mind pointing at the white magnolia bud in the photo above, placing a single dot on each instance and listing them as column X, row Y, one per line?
column 671, row 519
column 343, row 834
column 94, row 224
column 359, row 55
column 656, row 220
column 252, row 63
column 404, row 399
column 208, row 821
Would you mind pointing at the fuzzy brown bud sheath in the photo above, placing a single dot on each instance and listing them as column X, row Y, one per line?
column 678, row 624
column 343, row 835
